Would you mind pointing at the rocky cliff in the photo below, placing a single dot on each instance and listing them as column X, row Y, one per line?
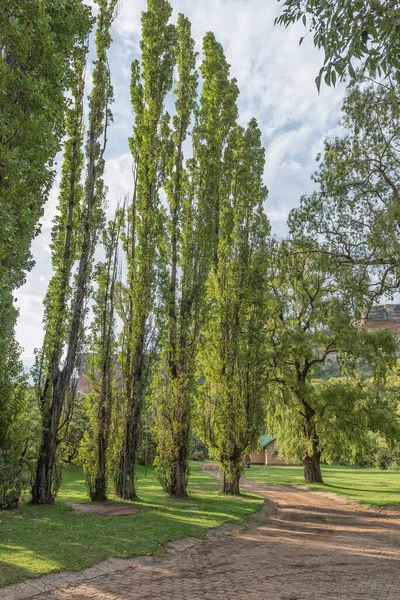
column 386, row 315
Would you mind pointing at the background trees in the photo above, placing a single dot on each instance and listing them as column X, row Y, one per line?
column 354, row 212
column 314, row 317
column 350, row 32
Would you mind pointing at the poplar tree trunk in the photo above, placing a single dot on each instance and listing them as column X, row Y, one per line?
column 179, row 476
column 100, row 485
column 42, row 487
column 125, row 486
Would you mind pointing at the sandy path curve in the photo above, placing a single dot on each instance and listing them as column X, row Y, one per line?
column 306, row 546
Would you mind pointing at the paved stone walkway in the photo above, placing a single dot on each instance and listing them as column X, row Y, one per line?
column 303, row 546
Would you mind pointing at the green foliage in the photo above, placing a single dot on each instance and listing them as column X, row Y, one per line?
column 350, row 32
column 357, row 203
column 232, row 350
column 101, row 402
column 314, row 318
column 12, row 479
column 381, row 454
column 38, row 40
column 151, row 81
column 182, row 290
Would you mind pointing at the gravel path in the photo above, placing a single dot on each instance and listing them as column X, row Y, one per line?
column 302, row 546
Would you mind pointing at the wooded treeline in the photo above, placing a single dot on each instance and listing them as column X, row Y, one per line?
column 201, row 320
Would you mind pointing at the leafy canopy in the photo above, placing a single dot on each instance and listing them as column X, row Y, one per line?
column 350, row 32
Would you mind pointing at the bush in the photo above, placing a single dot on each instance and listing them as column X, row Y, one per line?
column 197, row 456
column 12, row 480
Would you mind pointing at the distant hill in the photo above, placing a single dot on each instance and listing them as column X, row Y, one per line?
column 385, row 315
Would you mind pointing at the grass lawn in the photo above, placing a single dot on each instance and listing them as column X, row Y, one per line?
column 367, row 486
column 36, row 540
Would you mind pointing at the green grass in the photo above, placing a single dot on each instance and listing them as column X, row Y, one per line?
column 367, row 486
column 36, row 540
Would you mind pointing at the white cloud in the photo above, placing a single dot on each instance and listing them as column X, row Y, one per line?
column 276, row 80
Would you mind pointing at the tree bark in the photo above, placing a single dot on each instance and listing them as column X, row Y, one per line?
column 125, row 486
column 42, row 486
column 312, row 468
column 231, row 487
column 179, row 477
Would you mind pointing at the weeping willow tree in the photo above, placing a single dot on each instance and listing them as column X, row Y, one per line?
column 151, row 81
column 75, row 236
column 231, row 399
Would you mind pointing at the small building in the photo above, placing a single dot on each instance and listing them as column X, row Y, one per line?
column 267, row 453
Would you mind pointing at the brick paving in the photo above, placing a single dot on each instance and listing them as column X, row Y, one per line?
column 302, row 546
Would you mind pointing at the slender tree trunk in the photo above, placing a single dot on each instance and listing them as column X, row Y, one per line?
column 41, row 490
column 42, row 487
column 100, row 484
column 125, row 486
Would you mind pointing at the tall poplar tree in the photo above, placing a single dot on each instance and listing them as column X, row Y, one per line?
column 231, row 398
column 215, row 118
column 74, row 238
column 151, row 81
column 38, row 40
column 102, row 367
column 174, row 380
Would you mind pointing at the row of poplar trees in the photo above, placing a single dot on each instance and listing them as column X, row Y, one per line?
column 199, row 320
column 192, row 239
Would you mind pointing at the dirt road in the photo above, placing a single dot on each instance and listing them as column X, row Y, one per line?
column 307, row 547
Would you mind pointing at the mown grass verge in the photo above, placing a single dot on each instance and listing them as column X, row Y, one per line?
column 366, row 486
column 36, row 540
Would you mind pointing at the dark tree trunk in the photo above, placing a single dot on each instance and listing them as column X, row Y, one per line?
column 179, row 478
column 41, row 489
column 312, row 468
column 231, row 487
column 99, row 493
column 125, row 486
column 42, row 486
column 312, row 457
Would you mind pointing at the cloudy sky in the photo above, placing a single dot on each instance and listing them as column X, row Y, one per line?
column 276, row 81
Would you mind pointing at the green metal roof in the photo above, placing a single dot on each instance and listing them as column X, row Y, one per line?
column 266, row 439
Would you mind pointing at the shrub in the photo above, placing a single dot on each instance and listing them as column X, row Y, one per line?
column 12, row 480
